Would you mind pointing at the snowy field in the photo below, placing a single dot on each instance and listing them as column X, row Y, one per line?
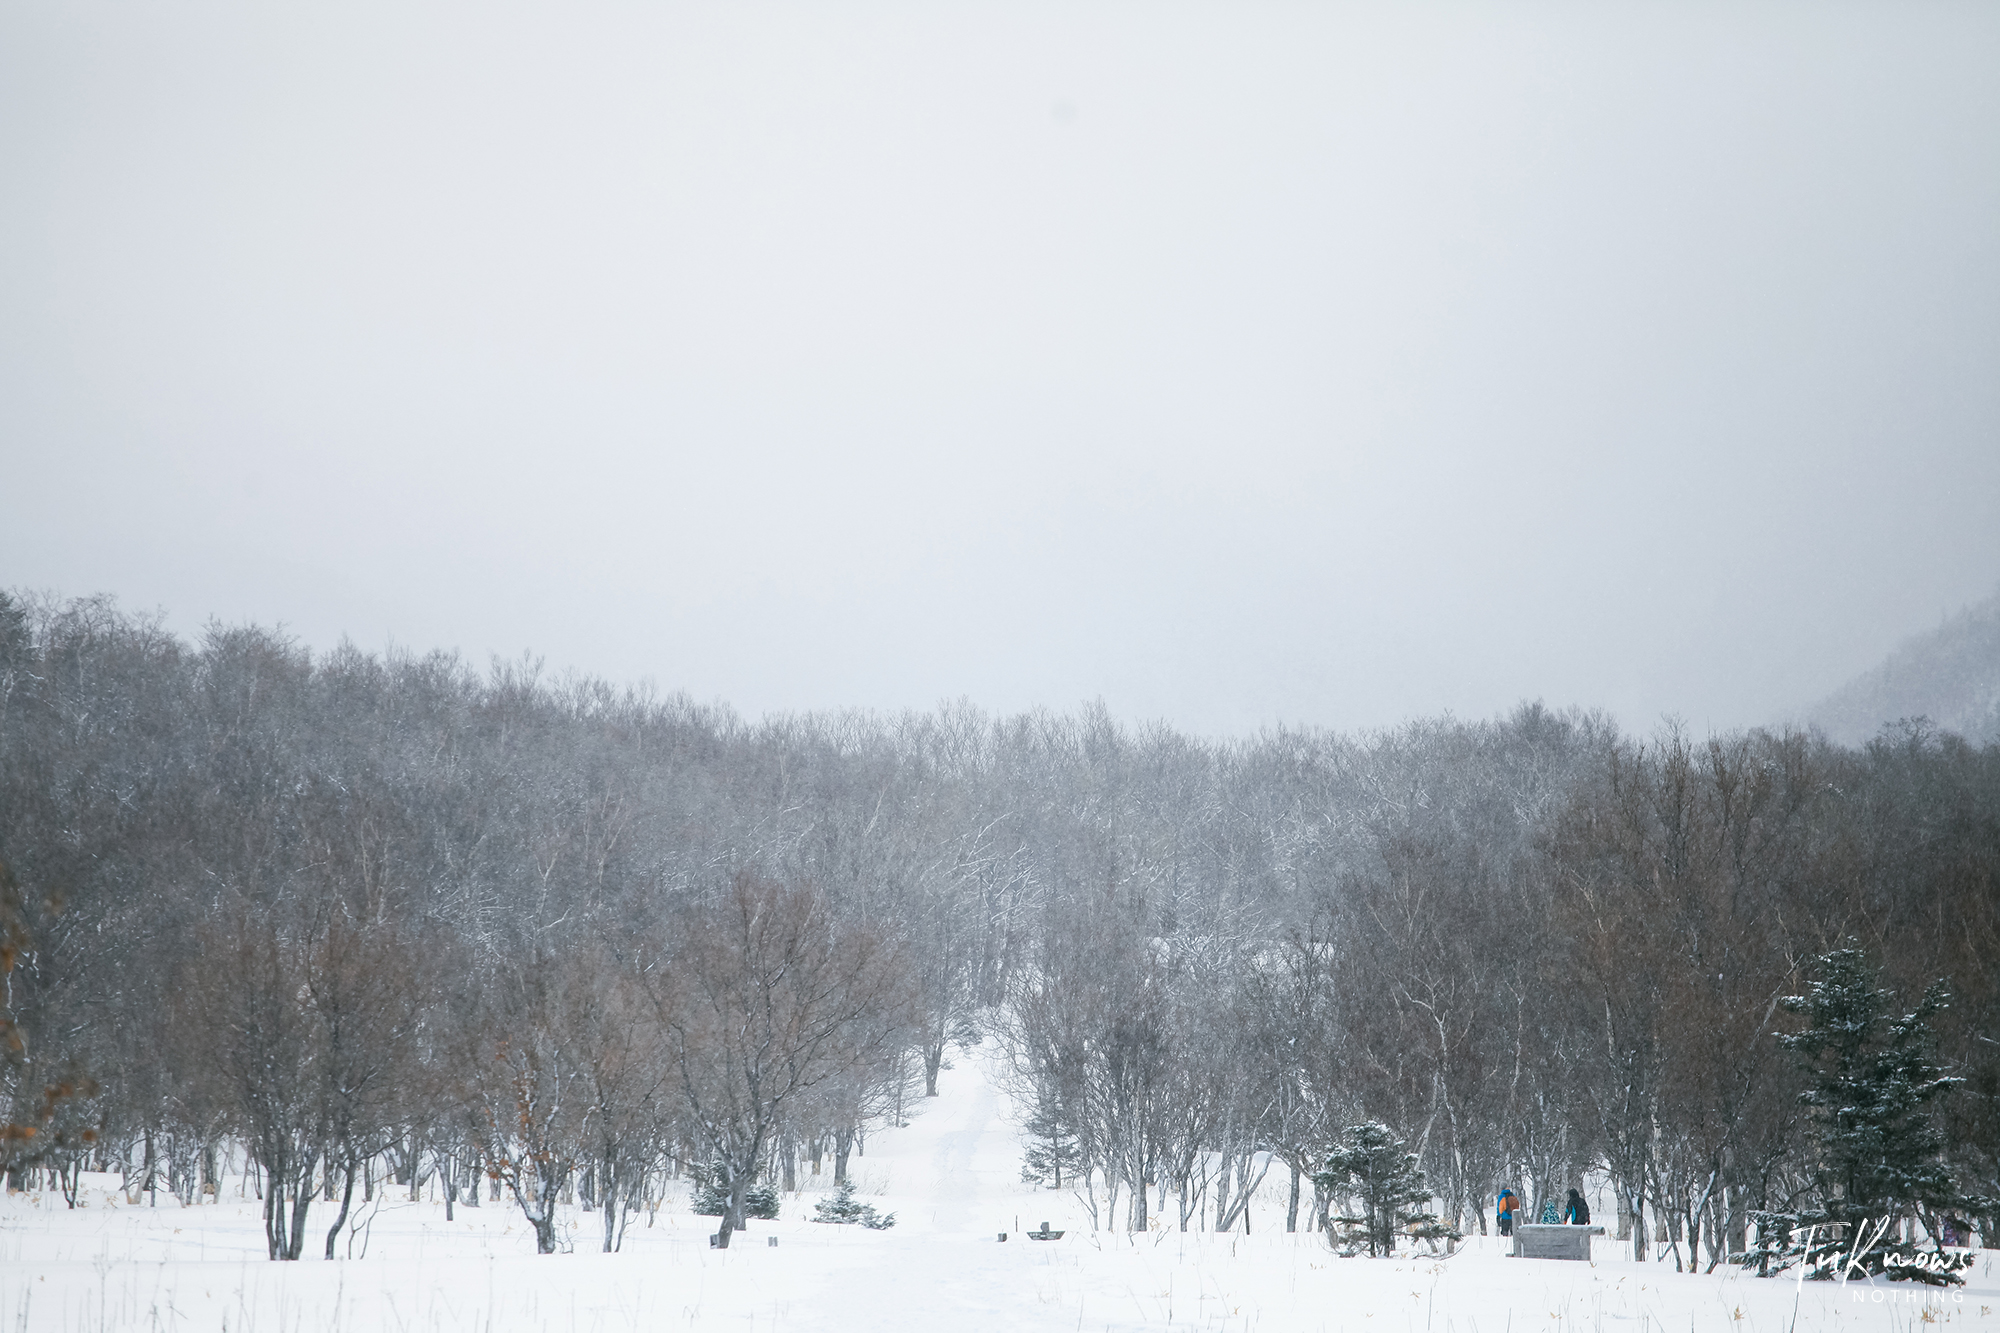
column 952, row 1179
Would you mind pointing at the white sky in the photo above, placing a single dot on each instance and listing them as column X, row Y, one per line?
column 1231, row 362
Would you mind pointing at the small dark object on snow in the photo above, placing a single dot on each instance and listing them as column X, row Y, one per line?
column 1003, row 1237
column 1045, row 1234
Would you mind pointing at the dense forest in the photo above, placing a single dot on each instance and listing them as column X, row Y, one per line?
column 356, row 920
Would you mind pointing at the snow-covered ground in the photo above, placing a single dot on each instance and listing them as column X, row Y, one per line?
column 952, row 1179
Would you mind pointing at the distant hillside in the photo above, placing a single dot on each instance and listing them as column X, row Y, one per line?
column 1950, row 675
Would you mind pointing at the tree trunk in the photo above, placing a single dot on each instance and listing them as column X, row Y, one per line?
column 285, row 1236
column 1292, row 1201
column 538, row 1205
column 609, row 1198
column 273, row 1224
column 1739, row 1225
column 346, row 1199
column 843, row 1143
column 1138, row 1209
column 1222, row 1192
column 933, row 1061
column 1246, row 1187
column 732, row 1209
column 302, row 1194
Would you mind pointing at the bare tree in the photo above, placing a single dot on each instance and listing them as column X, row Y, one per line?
column 629, row 1104
column 360, row 987
column 247, row 996
column 767, row 998
column 527, row 1080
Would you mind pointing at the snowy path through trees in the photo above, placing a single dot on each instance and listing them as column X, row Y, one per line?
column 975, row 1163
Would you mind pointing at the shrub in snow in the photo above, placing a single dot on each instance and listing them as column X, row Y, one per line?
column 843, row 1209
column 1375, row 1168
column 711, row 1198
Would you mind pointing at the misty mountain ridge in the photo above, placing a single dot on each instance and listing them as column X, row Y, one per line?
column 1950, row 675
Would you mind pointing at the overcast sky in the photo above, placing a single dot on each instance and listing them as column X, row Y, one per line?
column 1233, row 363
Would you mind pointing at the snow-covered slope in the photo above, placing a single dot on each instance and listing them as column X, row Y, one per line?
column 1950, row 675
column 952, row 1179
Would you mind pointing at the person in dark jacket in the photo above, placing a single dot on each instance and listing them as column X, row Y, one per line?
column 1577, row 1213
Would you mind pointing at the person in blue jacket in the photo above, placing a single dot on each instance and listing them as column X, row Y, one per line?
column 1576, row 1212
column 1504, row 1209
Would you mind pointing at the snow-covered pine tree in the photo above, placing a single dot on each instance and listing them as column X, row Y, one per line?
column 843, row 1209
column 1375, row 1167
column 711, row 1196
column 1052, row 1148
column 1875, row 1082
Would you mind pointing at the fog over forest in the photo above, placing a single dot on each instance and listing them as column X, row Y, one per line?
column 352, row 915
column 1235, row 364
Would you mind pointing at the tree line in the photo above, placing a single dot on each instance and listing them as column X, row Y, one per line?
column 360, row 918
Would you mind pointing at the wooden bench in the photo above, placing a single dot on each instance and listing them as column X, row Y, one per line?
column 1554, row 1242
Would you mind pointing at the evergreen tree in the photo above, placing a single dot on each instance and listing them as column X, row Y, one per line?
column 1874, row 1080
column 843, row 1209
column 1052, row 1148
column 1875, row 1085
column 1375, row 1167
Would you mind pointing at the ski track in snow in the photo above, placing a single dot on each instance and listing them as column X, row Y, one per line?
column 952, row 1179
